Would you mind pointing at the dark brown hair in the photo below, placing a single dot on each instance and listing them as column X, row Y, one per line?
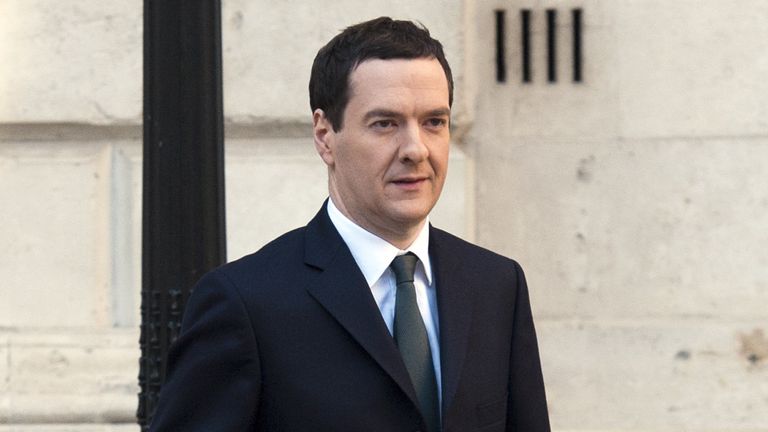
column 381, row 38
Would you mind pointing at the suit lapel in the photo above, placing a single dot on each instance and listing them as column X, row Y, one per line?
column 342, row 290
column 455, row 294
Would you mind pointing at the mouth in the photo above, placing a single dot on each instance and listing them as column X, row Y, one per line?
column 409, row 183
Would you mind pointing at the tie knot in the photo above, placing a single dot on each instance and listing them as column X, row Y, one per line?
column 404, row 266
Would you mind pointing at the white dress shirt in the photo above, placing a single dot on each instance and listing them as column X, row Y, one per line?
column 373, row 256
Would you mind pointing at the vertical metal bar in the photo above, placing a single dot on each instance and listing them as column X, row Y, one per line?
column 577, row 49
column 551, row 45
column 525, row 21
column 501, row 51
column 183, row 191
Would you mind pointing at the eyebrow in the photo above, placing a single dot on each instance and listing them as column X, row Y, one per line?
column 374, row 113
column 381, row 113
column 440, row 112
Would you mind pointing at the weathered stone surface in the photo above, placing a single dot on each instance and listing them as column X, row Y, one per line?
column 273, row 186
column 70, row 376
column 76, row 77
column 692, row 67
column 513, row 108
column 633, row 229
column 651, row 69
column 54, row 257
column 74, row 61
column 454, row 211
column 636, row 203
column 76, row 427
column 5, row 377
column 654, row 375
column 125, row 204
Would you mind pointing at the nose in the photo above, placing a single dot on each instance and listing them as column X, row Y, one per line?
column 412, row 148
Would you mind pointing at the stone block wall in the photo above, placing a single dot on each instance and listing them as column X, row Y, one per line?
column 635, row 200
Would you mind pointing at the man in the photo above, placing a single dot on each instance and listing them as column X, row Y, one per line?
column 367, row 319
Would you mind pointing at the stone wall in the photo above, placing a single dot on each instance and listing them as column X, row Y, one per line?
column 635, row 200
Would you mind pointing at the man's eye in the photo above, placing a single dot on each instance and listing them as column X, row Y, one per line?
column 437, row 122
column 383, row 124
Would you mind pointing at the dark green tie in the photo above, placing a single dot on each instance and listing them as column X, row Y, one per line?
column 411, row 339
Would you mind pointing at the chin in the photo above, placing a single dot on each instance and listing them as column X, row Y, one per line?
column 412, row 214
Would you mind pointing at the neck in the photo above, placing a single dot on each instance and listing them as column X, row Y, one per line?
column 401, row 236
column 401, row 240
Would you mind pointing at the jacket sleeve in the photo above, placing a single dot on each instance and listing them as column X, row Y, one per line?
column 213, row 375
column 527, row 410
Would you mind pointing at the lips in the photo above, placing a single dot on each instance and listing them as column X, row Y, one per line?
column 410, row 183
column 409, row 180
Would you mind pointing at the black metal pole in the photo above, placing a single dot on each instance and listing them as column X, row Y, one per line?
column 183, row 202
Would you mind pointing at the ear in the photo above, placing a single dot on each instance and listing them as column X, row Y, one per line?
column 323, row 134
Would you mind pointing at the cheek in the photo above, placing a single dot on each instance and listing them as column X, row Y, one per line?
column 439, row 160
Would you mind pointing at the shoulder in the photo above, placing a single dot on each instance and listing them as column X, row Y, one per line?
column 277, row 250
column 281, row 256
column 445, row 243
column 493, row 282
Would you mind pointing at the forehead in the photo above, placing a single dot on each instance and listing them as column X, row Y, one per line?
column 398, row 78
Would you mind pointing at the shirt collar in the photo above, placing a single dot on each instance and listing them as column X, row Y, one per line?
column 372, row 253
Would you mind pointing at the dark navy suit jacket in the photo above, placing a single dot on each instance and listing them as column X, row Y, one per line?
column 290, row 339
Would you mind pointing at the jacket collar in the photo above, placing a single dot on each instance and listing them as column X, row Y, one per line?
column 343, row 291
column 455, row 306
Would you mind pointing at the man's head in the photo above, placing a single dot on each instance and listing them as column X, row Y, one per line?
column 381, row 38
column 388, row 161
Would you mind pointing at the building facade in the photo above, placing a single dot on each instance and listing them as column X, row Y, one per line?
column 634, row 192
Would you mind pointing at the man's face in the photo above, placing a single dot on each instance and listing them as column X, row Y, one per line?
column 387, row 164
